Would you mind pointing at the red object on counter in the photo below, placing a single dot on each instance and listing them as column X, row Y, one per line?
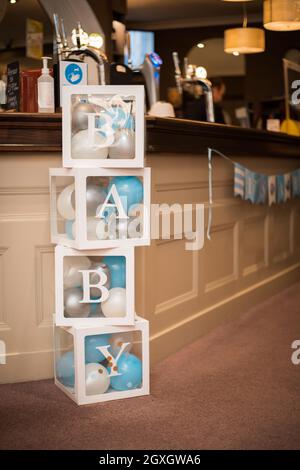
column 29, row 91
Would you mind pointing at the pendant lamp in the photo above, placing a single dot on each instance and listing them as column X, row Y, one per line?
column 282, row 15
column 244, row 40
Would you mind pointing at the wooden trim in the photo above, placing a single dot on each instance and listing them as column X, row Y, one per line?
column 24, row 132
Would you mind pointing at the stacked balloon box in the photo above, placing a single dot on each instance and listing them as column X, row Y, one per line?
column 101, row 363
column 94, row 285
column 100, row 210
column 112, row 205
column 103, row 127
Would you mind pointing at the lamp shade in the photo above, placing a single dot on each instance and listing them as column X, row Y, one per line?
column 244, row 40
column 282, row 15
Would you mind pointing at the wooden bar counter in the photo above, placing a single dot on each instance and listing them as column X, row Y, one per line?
column 254, row 250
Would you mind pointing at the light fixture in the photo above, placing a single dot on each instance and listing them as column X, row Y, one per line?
column 79, row 36
column 95, row 40
column 237, row 1
column 200, row 45
column 244, row 40
column 282, row 15
column 12, row 1
column 201, row 72
column 236, row 53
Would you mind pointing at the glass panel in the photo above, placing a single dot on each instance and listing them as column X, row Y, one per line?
column 113, row 362
column 65, row 205
column 64, row 358
column 107, row 219
column 103, row 126
column 99, row 291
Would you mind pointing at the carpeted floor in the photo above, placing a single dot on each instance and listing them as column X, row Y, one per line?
column 235, row 388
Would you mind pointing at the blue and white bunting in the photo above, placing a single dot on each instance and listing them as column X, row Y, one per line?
column 239, row 180
column 272, row 189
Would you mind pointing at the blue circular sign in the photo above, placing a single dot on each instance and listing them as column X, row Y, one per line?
column 73, row 74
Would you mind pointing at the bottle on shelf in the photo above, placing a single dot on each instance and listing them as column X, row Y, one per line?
column 46, row 89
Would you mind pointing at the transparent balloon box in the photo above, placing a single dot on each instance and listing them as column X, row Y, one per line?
column 103, row 126
column 94, row 287
column 95, row 208
column 98, row 364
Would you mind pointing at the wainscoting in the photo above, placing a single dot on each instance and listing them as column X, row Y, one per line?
column 254, row 252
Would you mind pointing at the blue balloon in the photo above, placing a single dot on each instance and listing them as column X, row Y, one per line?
column 130, row 368
column 117, row 268
column 91, row 343
column 68, row 228
column 65, row 371
column 129, row 188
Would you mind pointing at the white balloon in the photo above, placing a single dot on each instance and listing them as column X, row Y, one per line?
column 115, row 305
column 64, row 203
column 96, row 379
column 96, row 229
column 72, row 265
column 83, row 148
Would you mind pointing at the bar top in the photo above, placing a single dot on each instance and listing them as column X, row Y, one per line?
column 23, row 132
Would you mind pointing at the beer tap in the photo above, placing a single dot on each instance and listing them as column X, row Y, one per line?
column 194, row 80
column 81, row 47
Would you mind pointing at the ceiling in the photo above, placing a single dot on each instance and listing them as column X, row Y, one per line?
column 144, row 14
column 159, row 14
column 16, row 15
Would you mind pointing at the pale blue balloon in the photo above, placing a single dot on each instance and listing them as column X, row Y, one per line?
column 117, row 268
column 68, row 228
column 91, row 343
column 129, row 187
column 65, row 371
column 130, row 369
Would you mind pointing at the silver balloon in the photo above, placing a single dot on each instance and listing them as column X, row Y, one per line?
column 95, row 195
column 94, row 278
column 115, row 305
column 124, row 146
column 79, row 114
column 72, row 265
column 96, row 379
column 73, row 307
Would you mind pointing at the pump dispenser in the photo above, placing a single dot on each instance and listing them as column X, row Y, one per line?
column 46, row 89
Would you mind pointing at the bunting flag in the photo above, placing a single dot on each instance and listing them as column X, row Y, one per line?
column 272, row 189
column 255, row 187
column 239, row 180
column 287, row 186
column 296, row 183
column 280, row 192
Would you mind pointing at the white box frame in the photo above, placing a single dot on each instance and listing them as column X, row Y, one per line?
column 80, row 176
column 79, row 332
column 135, row 90
column 61, row 320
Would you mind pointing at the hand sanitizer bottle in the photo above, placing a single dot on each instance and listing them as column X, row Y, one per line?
column 45, row 89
